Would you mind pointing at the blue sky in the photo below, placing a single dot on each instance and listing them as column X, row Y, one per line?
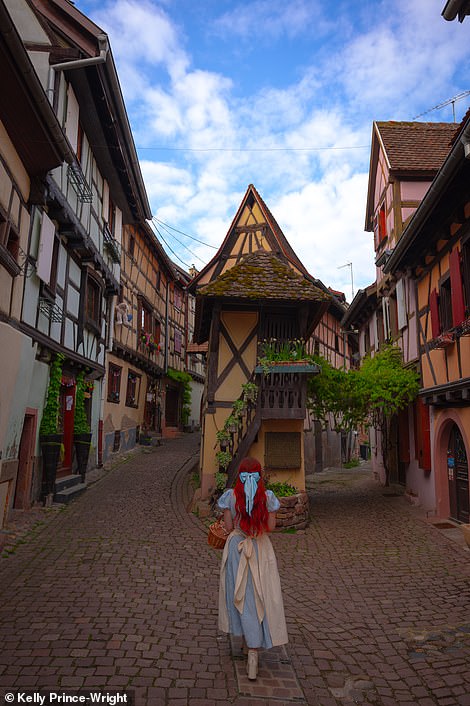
column 221, row 94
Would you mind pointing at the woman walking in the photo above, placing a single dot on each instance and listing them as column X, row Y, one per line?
column 250, row 599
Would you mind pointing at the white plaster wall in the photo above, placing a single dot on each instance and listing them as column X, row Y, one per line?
column 197, row 389
column 18, row 357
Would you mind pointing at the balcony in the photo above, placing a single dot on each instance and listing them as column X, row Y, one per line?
column 111, row 245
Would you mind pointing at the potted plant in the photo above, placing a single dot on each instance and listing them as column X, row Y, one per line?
column 50, row 437
column 81, row 428
column 231, row 424
column 238, row 407
column 223, row 459
column 250, row 391
column 224, row 438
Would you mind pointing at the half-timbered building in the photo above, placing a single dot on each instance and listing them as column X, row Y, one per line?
column 74, row 243
column 254, row 290
column 435, row 251
column 405, row 158
column 138, row 357
column 31, row 144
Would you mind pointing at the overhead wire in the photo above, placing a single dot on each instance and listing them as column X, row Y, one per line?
column 178, row 241
column 169, row 246
column 157, row 220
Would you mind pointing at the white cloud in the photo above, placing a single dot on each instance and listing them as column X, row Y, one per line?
column 143, row 34
column 324, row 224
column 270, row 19
column 391, row 68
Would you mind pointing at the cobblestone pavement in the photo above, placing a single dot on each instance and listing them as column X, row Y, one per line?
column 119, row 590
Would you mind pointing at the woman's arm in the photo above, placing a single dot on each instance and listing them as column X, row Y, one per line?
column 228, row 520
column 271, row 521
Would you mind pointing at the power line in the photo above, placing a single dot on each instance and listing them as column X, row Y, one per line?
column 254, row 149
column 157, row 220
column 169, row 246
column 183, row 245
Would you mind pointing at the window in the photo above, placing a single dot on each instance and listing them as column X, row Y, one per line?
column 49, row 289
column 177, row 299
column 158, row 277
column 178, row 341
column 114, row 382
column 79, row 143
column 146, row 317
column 445, row 306
column 157, row 332
column 382, row 223
column 9, row 246
column 93, row 303
column 133, row 389
column 456, row 284
column 131, row 245
column 111, row 216
column 393, row 313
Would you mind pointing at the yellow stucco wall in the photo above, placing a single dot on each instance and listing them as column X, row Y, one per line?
column 239, row 325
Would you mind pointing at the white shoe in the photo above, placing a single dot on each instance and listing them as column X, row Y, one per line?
column 252, row 664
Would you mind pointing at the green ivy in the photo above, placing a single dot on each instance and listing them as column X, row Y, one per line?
column 50, row 415
column 80, row 421
column 184, row 379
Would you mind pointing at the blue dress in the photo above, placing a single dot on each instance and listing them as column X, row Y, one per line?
column 246, row 623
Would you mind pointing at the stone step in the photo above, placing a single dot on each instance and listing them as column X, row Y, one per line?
column 67, row 482
column 66, row 495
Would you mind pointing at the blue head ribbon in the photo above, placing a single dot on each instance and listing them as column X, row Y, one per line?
column 250, row 482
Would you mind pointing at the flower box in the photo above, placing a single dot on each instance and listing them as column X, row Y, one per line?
column 288, row 366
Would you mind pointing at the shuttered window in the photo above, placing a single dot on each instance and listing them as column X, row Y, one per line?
column 466, row 275
column 445, row 305
column 423, row 435
column 434, row 308
column 458, row 304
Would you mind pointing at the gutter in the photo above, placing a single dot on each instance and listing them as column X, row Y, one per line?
column 455, row 7
column 79, row 63
column 425, row 208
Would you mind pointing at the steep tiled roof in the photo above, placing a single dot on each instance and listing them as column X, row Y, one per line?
column 412, row 146
column 262, row 275
column 281, row 238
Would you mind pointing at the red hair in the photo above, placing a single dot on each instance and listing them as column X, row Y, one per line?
column 257, row 522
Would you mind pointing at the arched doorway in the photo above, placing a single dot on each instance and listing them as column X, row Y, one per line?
column 457, row 474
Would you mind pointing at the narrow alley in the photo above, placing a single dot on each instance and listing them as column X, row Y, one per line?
column 119, row 591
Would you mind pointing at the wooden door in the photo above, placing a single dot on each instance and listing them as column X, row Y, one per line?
column 23, row 490
column 66, row 416
column 457, row 474
column 172, row 407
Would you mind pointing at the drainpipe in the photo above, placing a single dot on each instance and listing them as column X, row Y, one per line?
column 109, row 346
column 78, row 63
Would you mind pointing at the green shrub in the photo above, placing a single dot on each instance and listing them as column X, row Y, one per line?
column 50, row 415
column 282, row 490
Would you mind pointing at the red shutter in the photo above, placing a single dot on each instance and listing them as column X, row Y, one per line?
column 434, row 306
column 424, row 436
column 458, row 305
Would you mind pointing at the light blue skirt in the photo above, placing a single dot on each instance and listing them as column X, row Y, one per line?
column 256, row 634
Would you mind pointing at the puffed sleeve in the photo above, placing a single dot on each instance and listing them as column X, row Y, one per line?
column 224, row 502
column 273, row 503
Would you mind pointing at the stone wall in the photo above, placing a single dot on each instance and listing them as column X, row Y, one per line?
column 294, row 512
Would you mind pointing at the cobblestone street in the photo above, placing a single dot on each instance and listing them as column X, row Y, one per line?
column 119, row 590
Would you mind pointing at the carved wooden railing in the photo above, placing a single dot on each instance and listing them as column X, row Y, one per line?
column 282, row 394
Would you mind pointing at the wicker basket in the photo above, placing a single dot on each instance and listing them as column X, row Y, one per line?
column 217, row 535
